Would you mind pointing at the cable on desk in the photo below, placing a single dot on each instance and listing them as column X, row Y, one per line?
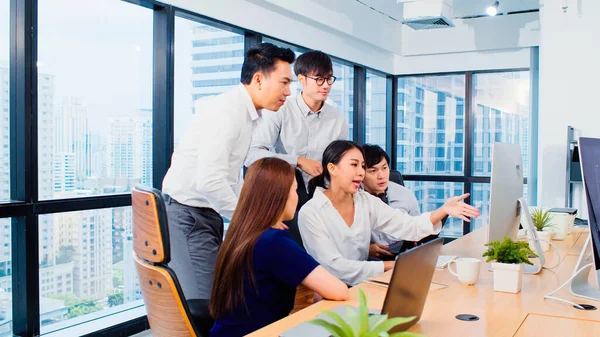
column 551, row 297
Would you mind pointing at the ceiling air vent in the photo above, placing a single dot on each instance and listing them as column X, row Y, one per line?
column 429, row 23
column 428, row 14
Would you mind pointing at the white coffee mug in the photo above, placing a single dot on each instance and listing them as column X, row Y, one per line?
column 467, row 269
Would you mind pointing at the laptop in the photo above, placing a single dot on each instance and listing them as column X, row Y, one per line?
column 406, row 293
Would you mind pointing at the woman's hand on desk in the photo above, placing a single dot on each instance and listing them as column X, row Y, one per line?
column 387, row 265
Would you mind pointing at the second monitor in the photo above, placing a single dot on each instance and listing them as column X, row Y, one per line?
column 507, row 202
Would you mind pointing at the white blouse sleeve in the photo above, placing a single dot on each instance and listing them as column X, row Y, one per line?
column 398, row 224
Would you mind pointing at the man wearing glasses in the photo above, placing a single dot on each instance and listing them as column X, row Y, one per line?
column 303, row 127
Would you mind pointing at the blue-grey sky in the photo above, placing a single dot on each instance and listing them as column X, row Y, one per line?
column 99, row 51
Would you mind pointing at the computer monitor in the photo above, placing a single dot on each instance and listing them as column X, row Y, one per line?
column 589, row 154
column 506, row 199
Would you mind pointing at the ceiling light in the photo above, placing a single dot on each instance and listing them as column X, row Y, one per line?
column 493, row 9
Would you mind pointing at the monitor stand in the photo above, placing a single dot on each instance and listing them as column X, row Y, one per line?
column 532, row 233
column 580, row 285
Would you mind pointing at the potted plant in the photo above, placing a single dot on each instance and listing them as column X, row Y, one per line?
column 508, row 268
column 361, row 324
column 541, row 221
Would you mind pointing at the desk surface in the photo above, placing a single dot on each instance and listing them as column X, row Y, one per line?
column 500, row 314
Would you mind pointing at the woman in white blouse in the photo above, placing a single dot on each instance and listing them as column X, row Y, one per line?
column 336, row 223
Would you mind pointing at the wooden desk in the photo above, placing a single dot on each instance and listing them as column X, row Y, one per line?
column 500, row 314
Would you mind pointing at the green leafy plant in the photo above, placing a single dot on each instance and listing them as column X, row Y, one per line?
column 360, row 324
column 508, row 251
column 541, row 219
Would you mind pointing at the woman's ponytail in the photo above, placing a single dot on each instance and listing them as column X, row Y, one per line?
column 318, row 181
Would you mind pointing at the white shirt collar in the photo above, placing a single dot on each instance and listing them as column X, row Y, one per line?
column 306, row 111
column 254, row 115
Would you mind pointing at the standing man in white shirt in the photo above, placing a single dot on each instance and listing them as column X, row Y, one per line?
column 204, row 179
column 304, row 126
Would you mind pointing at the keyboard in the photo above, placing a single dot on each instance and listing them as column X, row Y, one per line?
column 443, row 261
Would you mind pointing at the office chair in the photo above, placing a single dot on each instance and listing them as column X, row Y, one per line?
column 169, row 314
column 396, row 177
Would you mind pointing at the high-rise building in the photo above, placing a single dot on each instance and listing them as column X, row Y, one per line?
column 217, row 57
column 85, row 238
column 64, row 173
column 46, row 135
column 4, row 135
column 72, row 136
column 129, row 148
column 431, row 130
column 131, row 286
column 5, row 232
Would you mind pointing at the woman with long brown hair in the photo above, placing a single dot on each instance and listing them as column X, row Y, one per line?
column 259, row 265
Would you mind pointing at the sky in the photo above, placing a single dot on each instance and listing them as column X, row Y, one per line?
column 99, row 51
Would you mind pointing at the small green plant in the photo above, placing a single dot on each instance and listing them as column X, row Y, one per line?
column 508, row 251
column 541, row 219
column 360, row 324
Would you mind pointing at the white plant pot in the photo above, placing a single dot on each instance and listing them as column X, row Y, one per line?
column 562, row 225
column 507, row 277
column 547, row 236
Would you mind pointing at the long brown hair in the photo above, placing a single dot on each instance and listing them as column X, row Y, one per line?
column 261, row 204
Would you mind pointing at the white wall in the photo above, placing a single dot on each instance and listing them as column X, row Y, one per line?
column 345, row 29
column 437, row 63
column 351, row 31
column 478, row 34
column 569, row 90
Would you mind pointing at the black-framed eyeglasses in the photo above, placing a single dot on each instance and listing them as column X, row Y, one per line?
column 321, row 80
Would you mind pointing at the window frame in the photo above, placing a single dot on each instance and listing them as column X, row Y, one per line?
column 25, row 206
column 468, row 178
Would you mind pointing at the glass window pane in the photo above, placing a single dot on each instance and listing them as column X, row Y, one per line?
column 432, row 195
column 480, row 198
column 94, row 97
column 5, row 278
column 295, row 87
column 376, row 109
column 431, row 124
column 4, row 100
column 500, row 114
column 341, row 95
column 86, row 266
column 208, row 61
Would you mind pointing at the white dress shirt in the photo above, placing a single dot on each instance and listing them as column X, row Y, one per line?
column 206, row 165
column 400, row 198
column 343, row 250
column 295, row 131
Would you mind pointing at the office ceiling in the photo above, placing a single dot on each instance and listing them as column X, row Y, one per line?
column 462, row 8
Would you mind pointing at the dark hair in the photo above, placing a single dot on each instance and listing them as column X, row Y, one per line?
column 262, row 58
column 332, row 154
column 262, row 201
column 374, row 154
column 314, row 62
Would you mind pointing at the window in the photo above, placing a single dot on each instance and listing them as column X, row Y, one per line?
column 295, row 86
column 5, row 276
column 376, row 109
column 4, row 101
column 208, row 61
column 502, row 114
column 431, row 195
column 341, row 95
column 94, row 97
column 429, row 102
column 85, row 278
